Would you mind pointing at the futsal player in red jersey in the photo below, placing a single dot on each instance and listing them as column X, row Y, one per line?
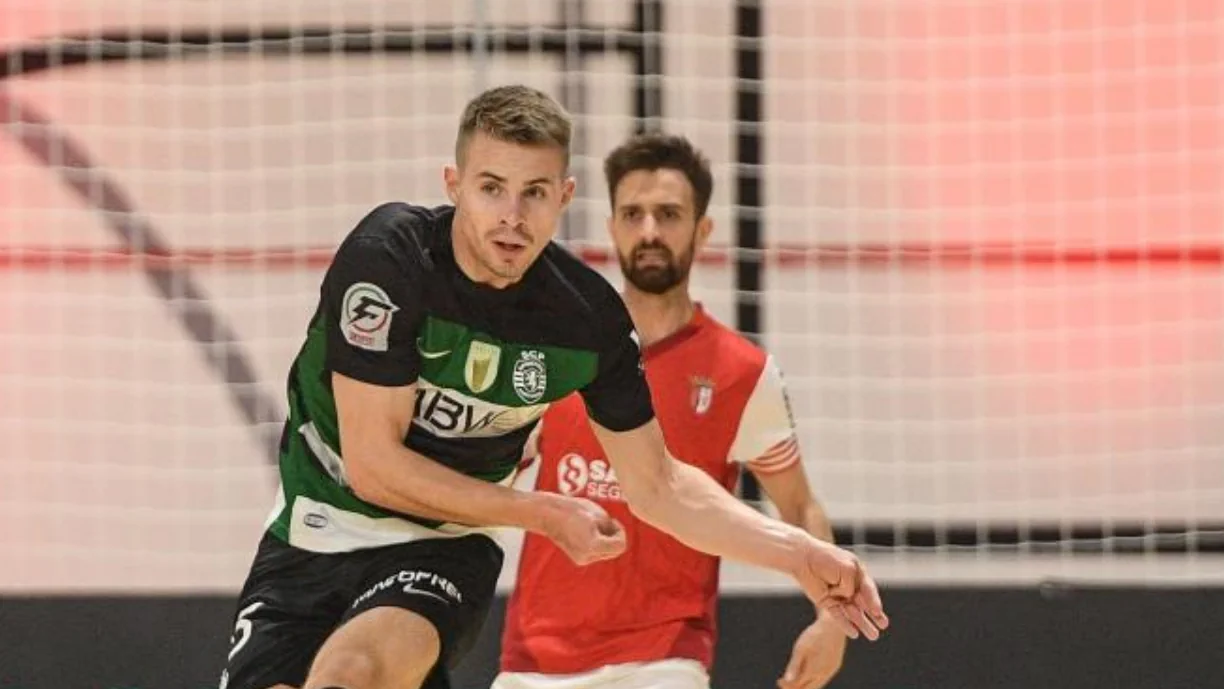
column 647, row 618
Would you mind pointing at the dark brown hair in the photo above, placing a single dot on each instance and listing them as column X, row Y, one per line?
column 661, row 151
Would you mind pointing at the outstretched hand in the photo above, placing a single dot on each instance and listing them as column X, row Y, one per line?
column 836, row 582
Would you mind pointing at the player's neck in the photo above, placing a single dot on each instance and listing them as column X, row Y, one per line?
column 659, row 316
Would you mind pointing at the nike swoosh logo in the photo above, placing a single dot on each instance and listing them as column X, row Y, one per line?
column 431, row 355
column 409, row 588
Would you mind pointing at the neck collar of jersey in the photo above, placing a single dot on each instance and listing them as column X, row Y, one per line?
column 684, row 334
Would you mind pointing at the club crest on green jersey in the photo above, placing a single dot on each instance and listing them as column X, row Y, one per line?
column 530, row 376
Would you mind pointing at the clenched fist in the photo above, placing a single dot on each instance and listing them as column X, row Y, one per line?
column 585, row 531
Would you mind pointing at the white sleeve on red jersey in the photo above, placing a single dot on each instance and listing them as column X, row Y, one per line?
column 766, row 441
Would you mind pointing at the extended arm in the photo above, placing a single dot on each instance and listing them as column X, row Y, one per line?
column 685, row 502
column 692, row 507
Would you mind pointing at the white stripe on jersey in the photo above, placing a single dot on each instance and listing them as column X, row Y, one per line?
column 447, row 413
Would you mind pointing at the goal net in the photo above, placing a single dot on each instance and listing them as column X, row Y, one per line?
column 981, row 237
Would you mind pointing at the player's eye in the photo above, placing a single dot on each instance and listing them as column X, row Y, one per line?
column 630, row 214
column 490, row 188
column 536, row 193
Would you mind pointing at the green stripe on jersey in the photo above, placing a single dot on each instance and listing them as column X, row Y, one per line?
column 506, row 374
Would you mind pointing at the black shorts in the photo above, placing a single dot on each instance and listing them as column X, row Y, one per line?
column 294, row 599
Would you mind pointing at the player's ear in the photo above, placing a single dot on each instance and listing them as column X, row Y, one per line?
column 450, row 176
column 705, row 226
column 568, row 186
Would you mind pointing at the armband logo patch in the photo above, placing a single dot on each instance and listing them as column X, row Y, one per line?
column 366, row 316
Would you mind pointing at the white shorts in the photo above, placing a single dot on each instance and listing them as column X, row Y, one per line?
column 660, row 674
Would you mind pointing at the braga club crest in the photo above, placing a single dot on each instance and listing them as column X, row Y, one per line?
column 703, row 394
column 530, row 376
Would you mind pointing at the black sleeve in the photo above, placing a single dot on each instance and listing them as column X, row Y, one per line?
column 619, row 398
column 371, row 306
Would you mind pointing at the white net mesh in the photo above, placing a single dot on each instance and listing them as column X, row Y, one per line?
column 990, row 230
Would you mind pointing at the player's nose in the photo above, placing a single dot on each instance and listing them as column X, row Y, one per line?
column 649, row 229
column 511, row 212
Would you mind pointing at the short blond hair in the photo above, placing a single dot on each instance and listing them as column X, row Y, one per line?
column 515, row 114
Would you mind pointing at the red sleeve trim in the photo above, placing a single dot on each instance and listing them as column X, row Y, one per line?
column 781, row 456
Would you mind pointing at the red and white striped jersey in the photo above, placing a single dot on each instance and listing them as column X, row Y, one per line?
column 722, row 404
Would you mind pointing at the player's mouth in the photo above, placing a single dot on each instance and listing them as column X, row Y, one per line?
column 509, row 248
column 653, row 259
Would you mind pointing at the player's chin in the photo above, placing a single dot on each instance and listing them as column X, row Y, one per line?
column 653, row 280
column 512, row 269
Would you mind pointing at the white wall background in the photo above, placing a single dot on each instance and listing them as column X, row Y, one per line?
column 923, row 392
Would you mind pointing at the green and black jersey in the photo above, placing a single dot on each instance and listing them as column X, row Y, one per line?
column 395, row 309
